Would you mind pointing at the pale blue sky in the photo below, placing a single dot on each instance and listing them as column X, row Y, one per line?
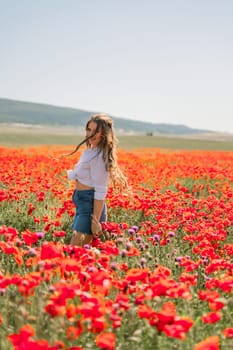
column 165, row 61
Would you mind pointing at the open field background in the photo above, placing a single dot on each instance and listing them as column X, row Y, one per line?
column 12, row 136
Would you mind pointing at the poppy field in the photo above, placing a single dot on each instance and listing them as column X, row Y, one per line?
column 158, row 277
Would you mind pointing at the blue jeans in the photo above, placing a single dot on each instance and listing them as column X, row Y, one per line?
column 84, row 203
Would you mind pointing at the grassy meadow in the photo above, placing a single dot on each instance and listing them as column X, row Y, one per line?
column 158, row 277
column 19, row 136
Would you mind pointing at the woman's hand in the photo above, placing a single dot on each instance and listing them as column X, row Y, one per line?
column 96, row 227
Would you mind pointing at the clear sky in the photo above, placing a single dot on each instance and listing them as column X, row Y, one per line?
column 165, row 61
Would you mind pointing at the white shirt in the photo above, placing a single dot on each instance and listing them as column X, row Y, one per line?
column 90, row 171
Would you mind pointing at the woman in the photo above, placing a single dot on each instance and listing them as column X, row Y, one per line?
column 96, row 167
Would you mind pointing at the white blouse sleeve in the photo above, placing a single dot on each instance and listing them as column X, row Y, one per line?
column 99, row 177
column 72, row 174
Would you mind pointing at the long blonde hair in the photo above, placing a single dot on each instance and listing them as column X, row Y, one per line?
column 108, row 145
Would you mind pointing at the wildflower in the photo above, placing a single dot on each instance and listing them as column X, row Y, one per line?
column 50, row 250
column 211, row 317
column 119, row 240
column 106, row 340
column 139, row 239
column 128, row 245
column 210, row 343
column 31, row 208
column 55, row 310
column 123, row 253
column 32, row 252
column 178, row 258
column 171, row 234
column 156, row 238
column 59, row 234
column 113, row 266
column 29, row 237
column 135, row 275
column 178, row 328
column 228, row 332
column 131, row 232
column 25, row 333
column 40, row 234
column 143, row 262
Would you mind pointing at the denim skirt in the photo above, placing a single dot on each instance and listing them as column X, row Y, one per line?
column 84, row 204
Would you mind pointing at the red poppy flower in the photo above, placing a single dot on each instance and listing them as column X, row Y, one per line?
column 211, row 317
column 106, row 341
column 210, row 343
column 228, row 332
column 50, row 250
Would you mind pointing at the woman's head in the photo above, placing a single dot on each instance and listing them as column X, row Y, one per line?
column 100, row 132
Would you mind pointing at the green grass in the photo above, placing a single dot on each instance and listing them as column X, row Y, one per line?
column 12, row 137
column 173, row 143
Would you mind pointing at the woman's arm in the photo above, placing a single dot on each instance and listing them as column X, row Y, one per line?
column 98, row 208
column 97, row 211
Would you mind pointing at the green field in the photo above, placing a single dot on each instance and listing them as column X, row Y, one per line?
column 13, row 136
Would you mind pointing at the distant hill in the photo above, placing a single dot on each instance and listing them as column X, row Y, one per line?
column 20, row 112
